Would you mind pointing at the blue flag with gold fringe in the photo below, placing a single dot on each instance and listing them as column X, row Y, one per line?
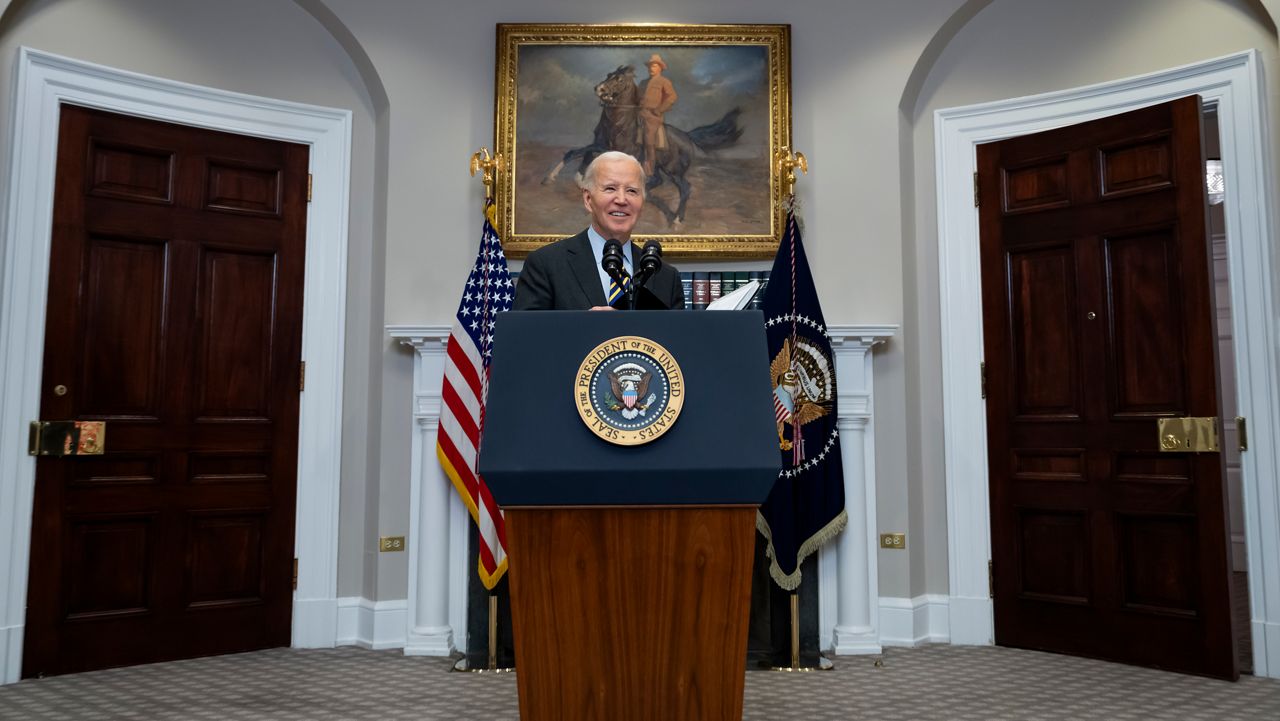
column 806, row 506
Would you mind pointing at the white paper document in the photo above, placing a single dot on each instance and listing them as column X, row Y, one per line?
column 737, row 300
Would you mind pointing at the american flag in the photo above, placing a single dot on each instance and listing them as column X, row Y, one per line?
column 781, row 413
column 489, row 291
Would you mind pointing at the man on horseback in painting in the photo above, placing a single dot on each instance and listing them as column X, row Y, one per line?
column 657, row 96
column 631, row 121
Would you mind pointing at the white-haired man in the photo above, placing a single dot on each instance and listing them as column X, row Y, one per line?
column 566, row 275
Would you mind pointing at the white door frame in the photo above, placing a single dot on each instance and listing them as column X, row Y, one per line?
column 1235, row 86
column 44, row 83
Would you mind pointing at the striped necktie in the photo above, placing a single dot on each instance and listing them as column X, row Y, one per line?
column 615, row 292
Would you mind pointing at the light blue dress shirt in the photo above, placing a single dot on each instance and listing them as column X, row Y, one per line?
column 597, row 249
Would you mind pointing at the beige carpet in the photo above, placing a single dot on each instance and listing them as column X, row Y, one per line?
column 933, row 682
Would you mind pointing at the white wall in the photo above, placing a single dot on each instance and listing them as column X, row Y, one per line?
column 419, row 78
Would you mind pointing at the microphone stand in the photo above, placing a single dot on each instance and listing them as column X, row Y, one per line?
column 612, row 263
column 646, row 267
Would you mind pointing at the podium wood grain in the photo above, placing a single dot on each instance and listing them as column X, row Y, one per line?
column 630, row 613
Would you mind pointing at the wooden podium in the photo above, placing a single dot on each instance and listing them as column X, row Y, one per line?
column 630, row 567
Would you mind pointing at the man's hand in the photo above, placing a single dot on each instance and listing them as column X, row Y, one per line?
column 603, row 307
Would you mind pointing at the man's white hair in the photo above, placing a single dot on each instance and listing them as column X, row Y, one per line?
column 589, row 175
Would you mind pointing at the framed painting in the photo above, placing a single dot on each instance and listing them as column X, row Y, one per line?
column 706, row 108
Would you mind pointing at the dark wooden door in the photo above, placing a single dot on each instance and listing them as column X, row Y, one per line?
column 1097, row 321
column 175, row 316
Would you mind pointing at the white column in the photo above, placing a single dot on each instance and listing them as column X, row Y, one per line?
column 850, row 585
column 428, row 631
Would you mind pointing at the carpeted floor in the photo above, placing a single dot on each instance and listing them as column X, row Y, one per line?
column 348, row 683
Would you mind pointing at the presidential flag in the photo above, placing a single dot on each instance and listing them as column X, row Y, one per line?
column 806, row 506
column 489, row 291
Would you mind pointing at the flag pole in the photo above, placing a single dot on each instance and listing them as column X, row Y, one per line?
column 795, row 630
column 492, row 666
column 493, row 631
column 824, row 663
column 786, row 164
column 482, row 161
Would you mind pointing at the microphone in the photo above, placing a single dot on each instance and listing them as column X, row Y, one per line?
column 611, row 260
column 650, row 261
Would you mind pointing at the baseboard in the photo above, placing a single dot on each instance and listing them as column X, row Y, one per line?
column 1239, row 561
column 1266, row 649
column 914, row 621
column 970, row 621
column 315, row 622
column 10, row 654
column 371, row 624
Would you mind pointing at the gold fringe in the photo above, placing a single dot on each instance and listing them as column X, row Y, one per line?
column 790, row 582
column 489, row 581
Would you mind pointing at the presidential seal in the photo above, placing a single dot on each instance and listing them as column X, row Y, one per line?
column 629, row 390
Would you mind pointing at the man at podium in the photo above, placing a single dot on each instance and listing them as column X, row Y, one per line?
column 569, row 275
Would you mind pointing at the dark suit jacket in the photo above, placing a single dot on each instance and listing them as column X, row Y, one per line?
column 563, row 276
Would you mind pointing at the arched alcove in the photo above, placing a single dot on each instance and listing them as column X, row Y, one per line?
column 994, row 53
column 285, row 51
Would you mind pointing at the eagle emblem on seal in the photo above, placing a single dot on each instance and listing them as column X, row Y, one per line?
column 803, row 387
column 630, row 385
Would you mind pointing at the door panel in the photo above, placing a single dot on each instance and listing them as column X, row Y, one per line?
column 236, row 311
column 1143, row 291
column 1046, row 369
column 226, row 558
column 118, row 170
column 124, row 315
column 1097, row 321
column 106, row 565
column 174, row 314
column 1055, row 555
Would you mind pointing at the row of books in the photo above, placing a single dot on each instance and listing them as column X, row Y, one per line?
column 703, row 287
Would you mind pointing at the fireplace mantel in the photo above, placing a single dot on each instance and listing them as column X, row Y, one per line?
column 848, row 606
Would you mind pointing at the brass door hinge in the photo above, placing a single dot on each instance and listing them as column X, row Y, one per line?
column 1242, row 436
column 308, row 187
column 302, row 376
column 982, row 372
column 975, row 189
column 991, row 579
column 295, row 574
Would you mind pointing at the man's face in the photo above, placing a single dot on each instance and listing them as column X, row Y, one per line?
column 615, row 198
column 655, row 69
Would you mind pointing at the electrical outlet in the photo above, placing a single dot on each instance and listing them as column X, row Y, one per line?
column 390, row 544
column 893, row 540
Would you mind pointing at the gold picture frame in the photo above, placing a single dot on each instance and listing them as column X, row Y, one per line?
column 565, row 92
